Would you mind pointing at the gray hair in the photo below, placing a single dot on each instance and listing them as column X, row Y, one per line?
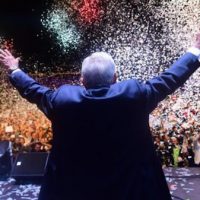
column 98, row 69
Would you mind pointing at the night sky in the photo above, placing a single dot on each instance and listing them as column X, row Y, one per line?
column 144, row 37
column 20, row 20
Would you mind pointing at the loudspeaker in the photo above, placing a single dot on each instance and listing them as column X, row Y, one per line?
column 5, row 159
column 30, row 166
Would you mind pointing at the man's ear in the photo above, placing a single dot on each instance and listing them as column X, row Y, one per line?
column 82, row 81
column 115, row 78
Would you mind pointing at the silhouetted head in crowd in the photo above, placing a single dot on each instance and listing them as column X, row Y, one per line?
column 174, row 140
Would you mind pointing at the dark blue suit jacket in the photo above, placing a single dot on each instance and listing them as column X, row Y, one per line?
column 102, row 145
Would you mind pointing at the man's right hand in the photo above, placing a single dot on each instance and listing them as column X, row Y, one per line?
column 8, row 60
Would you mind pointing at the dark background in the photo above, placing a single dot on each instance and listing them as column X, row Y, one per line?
column 20, row 20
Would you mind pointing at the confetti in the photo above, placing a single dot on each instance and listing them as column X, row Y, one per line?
column 60, row 26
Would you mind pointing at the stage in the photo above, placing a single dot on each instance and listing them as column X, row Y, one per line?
column 184, row 183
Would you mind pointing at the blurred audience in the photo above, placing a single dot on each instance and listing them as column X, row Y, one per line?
column 196, row 146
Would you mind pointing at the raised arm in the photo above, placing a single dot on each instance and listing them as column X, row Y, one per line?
column 167, row 82
column 27, row 87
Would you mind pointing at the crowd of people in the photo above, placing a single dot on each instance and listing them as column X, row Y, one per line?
column 23, row 123
column 175, row 127
column 175, row 124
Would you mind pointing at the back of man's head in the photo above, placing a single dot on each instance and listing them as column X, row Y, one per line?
column 98, row 70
